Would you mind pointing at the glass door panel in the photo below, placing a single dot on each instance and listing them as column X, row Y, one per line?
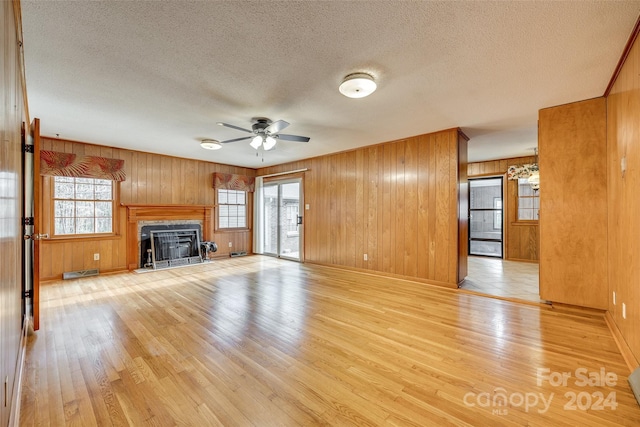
column 485, row 217
column 270, row 193
column 289, row 227
column 282, row 219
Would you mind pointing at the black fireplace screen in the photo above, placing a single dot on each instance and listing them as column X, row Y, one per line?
column 169, row 246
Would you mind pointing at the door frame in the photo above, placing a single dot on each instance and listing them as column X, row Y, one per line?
column 502, row 223
column 279, row 182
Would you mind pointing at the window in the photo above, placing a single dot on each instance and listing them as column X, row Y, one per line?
column 497, row 215
column 82, row 206
column 528, row 201
column 232, row 209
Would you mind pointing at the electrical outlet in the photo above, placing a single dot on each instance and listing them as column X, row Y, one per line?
column 365, row 257
column 624, row 310
column 230, row 244
column 96, row 257
column 614, row 297
column 306, row 207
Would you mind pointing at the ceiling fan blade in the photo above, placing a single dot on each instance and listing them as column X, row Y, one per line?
column 276, row 127
column 234, row 127
column 236, row 139
column 295, row 138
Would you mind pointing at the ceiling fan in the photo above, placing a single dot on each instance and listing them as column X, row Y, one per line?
column 265, row 133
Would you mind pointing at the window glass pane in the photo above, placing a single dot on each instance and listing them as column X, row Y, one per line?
column 84, row 226
column 233, row 197
column 84, row 180
column 103, row 209
column 224, row 222
column 64, row 208
column 103, row 192
column 242, row 222
column 103, row 225
column 222, row 196
column 84, row 191
column 224, row 210
column 64, row 179
column 64, row 226
column 241, row 197
column 63, row 190
column 525, row 214
column 102, row 182
column 84, row 209
column 233, row 222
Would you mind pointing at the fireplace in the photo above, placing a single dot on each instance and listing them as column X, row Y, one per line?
column 198, row 217
column 170, row 245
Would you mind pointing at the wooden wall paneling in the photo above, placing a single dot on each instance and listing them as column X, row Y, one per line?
column 442, row 207
column 359, row 205
column 623, row 142
column 423, row 207
column 399, row 208
column 401, row 197
column 372, row 214
column 452, row 209
column 386, row 214
column 411, row 208
column 433, row 212
column 573, row 204
column 392, row 212
column 463, row 206
column 350, row 220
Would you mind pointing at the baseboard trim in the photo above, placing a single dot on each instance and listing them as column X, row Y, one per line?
column 383, row 274
column 14, row 415
column 627, row 354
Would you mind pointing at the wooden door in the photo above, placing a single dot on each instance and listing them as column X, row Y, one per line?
column 32, row 187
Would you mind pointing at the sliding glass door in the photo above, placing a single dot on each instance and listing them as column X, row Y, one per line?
column 283, row 219
column 485, row 217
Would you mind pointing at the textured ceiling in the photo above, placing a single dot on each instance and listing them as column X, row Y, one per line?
column 156, row 76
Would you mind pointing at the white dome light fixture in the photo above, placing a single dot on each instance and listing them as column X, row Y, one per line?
column 269, row 143
column 358, row 85
column 210, row 144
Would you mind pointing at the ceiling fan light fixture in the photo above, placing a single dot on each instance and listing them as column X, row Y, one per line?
column 210, row 144
column 256, row 142
column 358, row 85
column 269, row 143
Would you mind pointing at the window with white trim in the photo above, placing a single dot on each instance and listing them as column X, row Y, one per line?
column 82, row 206
column 528, row 201
column 232, row 209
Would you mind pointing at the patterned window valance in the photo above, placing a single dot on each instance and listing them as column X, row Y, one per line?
column 522, row 171
column 54, row 163
column 227, row 181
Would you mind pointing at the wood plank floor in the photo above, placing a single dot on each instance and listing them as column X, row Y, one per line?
column 257, row 341
column 502, row 278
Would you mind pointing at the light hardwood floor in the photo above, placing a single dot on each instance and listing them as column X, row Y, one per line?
column 257, row 341
column 502, row 278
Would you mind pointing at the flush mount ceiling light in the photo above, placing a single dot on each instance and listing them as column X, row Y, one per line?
column 358, row 85
column 210, row 144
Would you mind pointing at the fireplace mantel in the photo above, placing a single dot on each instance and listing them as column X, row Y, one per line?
column 143, row 212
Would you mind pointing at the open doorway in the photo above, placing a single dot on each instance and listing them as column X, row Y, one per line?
column 503, row 240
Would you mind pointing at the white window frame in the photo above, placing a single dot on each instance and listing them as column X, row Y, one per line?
column 75, row 200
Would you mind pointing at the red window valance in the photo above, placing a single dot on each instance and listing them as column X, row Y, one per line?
column 227, row 181
column 55, row 163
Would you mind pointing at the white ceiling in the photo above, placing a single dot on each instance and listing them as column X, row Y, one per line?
column 156, row 76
